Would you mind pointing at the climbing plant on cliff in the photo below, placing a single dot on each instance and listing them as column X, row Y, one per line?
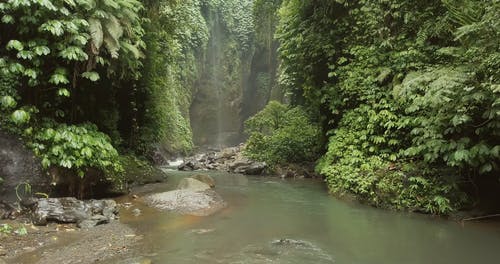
column 170, row 71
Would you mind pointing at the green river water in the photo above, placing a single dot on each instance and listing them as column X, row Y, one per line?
column 320, row 229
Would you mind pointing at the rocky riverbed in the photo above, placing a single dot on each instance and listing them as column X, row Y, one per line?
column 68, row 230
column 228, row 159
column 65, row 243
column 232, row 160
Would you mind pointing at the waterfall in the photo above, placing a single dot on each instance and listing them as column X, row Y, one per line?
column 233, row 81
column 216, row 79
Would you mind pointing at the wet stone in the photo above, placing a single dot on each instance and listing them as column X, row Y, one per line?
column 71, row 210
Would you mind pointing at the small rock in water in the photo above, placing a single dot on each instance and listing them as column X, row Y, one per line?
column 136, row 212
column 291, row 242
column 126, row 205
column 202, row 231
column 92, row 222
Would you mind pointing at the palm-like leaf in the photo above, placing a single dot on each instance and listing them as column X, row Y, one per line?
column 96, row 34
column 113, row 31
column 110, row 21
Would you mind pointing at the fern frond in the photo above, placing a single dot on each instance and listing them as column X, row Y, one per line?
column 96, row 34
column 132, row 49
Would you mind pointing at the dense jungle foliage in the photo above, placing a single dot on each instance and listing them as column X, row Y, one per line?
column 407, row 93
column 78, row 83
column 401, row 98
column 120, row 76
column 64, row 62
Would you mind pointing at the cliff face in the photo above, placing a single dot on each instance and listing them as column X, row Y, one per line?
column 236, row 78
column 215, row 109
column 19, row 165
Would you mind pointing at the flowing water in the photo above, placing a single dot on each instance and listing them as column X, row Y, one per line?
column 270, row 220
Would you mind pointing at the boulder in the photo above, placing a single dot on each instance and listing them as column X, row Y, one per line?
column 253, row 168
column 192, row 184
column 186, row 201
column 8, row 211
column 18, row 165
column 205, row 179
column 190, row 164
column 158, row 156
column 70, row 210
column 228, row 153
column 239, row 162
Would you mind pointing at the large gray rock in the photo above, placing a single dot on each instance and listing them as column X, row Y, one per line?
column 190, row 164
column 239, row 162
column 198, row 203
column 70, row 210
column 192, row 184
column 205, row 179
column 255, row 168
column 248, row 167
column 18, row 165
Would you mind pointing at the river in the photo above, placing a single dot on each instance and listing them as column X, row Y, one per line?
column 269, row 220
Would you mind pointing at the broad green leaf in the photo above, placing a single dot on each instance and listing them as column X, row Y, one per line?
column 42, row 50
column 63, row 92
column 55, row 27
column 30, row 73
column 7, row 102
column 8, row 19
column 20, row 117
column 73, row 53
column 25, row 54
column 15, row 44
column 58, row 78
column 93, row 76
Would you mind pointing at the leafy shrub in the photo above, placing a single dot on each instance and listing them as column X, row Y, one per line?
column 11, row 117
column 456, row 120
column 365, row 158
column 281, row 134
column 396, row 186
column 76, row 148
